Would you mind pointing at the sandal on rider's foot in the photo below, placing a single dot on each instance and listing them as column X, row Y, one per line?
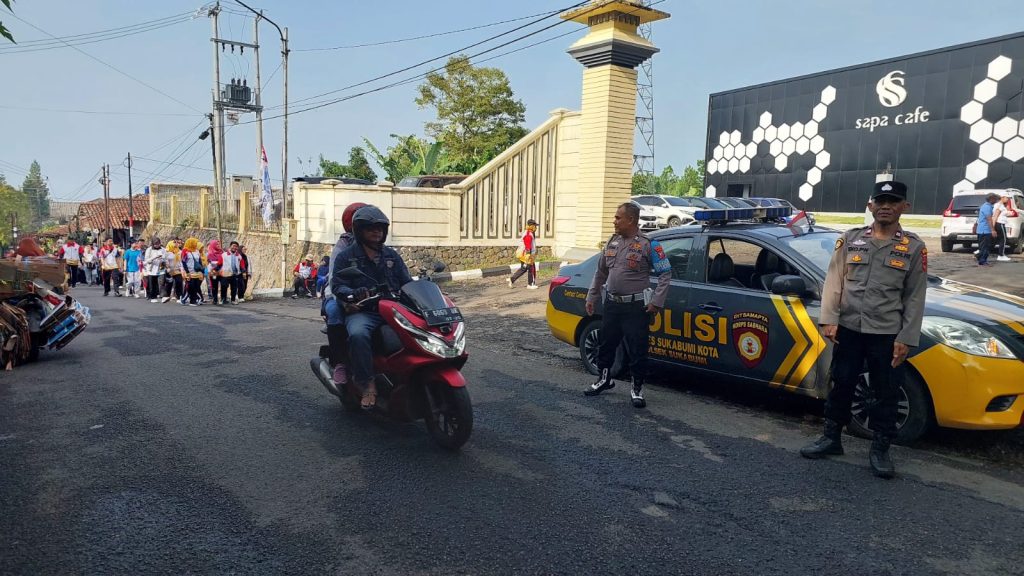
column 369, row 400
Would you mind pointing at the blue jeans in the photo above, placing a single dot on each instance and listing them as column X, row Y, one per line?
column 360, row 344
column 334, row 312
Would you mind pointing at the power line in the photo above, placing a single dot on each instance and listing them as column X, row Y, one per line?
column 96, row 112
column 87, row 35
column 118, row 70
column 176, row 138
column 81, row 189
column 452, row 53
column 71, row 44
column 170, row 163
column 425, row 36
column 14, row 167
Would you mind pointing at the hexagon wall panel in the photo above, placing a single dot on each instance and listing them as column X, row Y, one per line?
column 985, row 90
column 766, row 120
column 803, row 145
column 981, row 131
column 977, row 171
column 999, row 68
column 990, row 150
column 1014, row 149
column 971, row 112
column 1005, row 129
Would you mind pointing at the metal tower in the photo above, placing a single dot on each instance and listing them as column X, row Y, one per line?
column 643, row 161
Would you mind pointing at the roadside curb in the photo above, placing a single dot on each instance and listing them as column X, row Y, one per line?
column 490, row 272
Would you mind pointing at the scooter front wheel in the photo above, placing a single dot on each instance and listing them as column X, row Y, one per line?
column 449, row 415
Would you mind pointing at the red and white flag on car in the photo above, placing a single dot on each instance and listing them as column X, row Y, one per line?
column 798, row 223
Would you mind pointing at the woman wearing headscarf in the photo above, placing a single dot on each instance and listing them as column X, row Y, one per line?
column 172, row 273
column 214, row 261
column 192, row 268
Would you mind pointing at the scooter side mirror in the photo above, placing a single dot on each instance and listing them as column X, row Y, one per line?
column 353, row 273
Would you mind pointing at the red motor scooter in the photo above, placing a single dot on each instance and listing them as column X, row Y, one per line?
column 418, row 353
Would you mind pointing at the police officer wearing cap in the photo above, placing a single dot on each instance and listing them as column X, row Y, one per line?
column 623, row 274
column 871, row 309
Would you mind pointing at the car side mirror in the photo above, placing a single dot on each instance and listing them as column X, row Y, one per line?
column 790, row 286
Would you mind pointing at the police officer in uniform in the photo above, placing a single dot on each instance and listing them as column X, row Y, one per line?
column 623, row 274
column 871, row 309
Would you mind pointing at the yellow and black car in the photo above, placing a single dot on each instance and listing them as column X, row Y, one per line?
column 744, row 304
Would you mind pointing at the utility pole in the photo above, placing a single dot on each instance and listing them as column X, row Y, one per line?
column 131, row 203
column 209, row 132
column 259, row 90
column 284, row 69
column 105, row 180
column 217, row 122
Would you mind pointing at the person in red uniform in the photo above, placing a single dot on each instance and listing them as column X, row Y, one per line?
column 527, row 256
column 304, row 274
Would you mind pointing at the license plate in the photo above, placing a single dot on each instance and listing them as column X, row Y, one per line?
column 442, row 316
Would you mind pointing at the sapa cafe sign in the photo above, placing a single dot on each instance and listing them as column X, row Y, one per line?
column 892, row 92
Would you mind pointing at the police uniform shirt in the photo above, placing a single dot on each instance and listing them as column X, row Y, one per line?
column 877, row 285
column 626, row 264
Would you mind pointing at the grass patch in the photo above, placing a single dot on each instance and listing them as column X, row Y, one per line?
column 859, row 220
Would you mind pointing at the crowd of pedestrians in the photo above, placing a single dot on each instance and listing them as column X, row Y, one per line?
column 185, row 272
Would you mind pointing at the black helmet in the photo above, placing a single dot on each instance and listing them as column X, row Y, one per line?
column 369, row 215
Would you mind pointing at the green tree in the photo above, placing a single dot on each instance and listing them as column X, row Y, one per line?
column 358, row 166
column 4, row 31
column 38, row 193
column 478, row 115
column 410, row 156
column 12, row 201
column 691, row 183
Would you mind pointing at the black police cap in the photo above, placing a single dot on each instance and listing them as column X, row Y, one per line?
column 891, row 188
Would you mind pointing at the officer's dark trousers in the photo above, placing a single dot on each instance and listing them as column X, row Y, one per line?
column 626, row 321
column 848, row 359
column 73, row 275
column 111, row 277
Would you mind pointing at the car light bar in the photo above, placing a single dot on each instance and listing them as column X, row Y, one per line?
column 732, row 214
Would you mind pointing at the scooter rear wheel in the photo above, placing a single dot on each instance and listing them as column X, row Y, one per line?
column 449, row 415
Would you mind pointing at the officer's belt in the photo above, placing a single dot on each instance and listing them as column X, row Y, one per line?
column 626, row 298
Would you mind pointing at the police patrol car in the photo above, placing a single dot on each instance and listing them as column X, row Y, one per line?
column 744, row 304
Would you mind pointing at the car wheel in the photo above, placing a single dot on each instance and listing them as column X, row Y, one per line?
column 589, row 342
column 913, row 415
column 947, row 244
column 674, row 221
column 1018, row 246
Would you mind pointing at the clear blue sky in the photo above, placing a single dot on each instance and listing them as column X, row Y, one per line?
column 706, row 47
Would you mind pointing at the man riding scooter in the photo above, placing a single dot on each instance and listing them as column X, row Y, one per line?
column 332, row 309
column 380, row 265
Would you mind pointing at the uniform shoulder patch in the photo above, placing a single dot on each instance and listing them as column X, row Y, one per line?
column 840, row 242
column 924, row 260
column 659, row 262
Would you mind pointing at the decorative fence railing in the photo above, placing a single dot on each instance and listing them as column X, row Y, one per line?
column 191, row 205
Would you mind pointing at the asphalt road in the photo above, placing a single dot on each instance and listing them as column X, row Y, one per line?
column 196, row 440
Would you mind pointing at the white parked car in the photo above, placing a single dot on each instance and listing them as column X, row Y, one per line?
column 648, row 220
column 959, row 218
column 675, row 210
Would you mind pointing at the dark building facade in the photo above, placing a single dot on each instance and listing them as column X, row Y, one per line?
column 943, row 120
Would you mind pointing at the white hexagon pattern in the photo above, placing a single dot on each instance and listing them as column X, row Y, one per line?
column 733, row 155
column 981, row 131
column 990, row 150
column 971, row 112
column 999, row 68
column 990, row 136
column 977, row 170
column 1014, row 149
column 985, row 90
column 710, row 191
column 1005, row 129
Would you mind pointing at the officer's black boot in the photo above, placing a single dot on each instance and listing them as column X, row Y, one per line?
column 881, row 463
column 830, row 443
column 604, row 382
column 637, row 393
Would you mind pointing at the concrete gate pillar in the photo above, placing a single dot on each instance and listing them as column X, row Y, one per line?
column 610, row 54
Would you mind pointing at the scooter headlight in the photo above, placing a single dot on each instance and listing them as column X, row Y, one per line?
column 432, row 343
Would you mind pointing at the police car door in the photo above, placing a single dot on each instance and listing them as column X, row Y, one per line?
column 665, row 340
column 740, row 328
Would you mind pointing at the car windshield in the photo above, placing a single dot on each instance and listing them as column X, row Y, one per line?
column 966, row 201
column 709, row 203
column 679, row 202
column 817, row 247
